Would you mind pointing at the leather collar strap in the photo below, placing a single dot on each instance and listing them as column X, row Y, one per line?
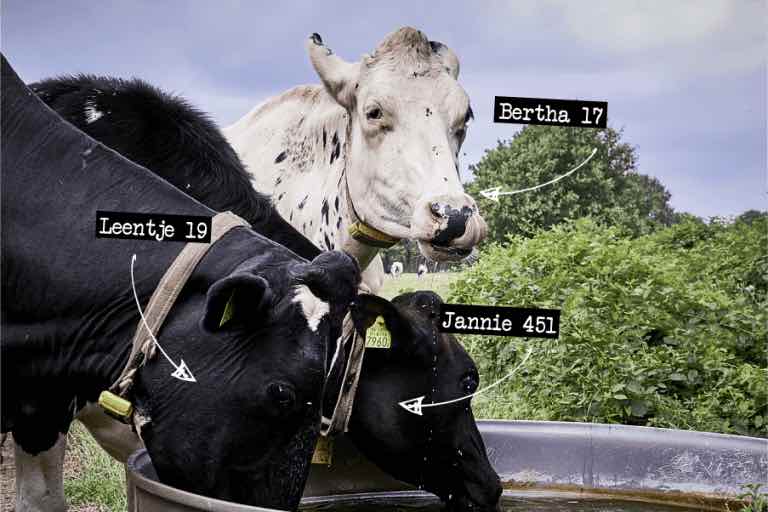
column 165, row 295
column 342, row 411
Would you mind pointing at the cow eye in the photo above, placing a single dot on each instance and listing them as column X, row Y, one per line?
column 374, row 114
column 469, row 383
column 281, row 394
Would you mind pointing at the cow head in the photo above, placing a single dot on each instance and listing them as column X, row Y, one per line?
column 441, row 451
column 256, row 341
column 408, row 118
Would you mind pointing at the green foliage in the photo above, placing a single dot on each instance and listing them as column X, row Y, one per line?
column 666, row 330
column 607, row 188
column 756, row 501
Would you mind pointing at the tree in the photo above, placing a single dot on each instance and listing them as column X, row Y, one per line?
column 608, row 188
column 751, row 216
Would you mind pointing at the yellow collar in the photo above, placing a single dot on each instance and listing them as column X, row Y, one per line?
column 369, row 235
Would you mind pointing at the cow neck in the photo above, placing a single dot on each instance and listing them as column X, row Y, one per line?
column 344, row 384
column 363, row 240
column 70, row 304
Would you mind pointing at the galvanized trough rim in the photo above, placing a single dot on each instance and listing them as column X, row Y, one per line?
column 629, row 462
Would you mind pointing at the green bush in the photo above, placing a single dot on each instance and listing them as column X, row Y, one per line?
column 664, row 330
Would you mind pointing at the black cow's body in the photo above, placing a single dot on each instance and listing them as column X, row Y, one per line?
column 174, row 140
column 68, row 317
column 441, row 451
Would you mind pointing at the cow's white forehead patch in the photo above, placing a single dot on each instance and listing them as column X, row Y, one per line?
column 313, row 308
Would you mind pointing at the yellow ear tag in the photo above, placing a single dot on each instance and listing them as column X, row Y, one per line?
column 323, row 451
column 377, row 335
column 116, row 406
column 228, row 311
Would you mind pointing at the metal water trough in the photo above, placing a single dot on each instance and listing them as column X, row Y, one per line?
column 641, row 463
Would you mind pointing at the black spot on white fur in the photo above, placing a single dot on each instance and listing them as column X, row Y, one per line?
column 335, row 147
column 280, row 157
column 324, row 211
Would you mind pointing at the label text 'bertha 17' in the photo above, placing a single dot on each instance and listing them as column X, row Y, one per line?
column 160, row 227
column 500, row 321
column 550, row 112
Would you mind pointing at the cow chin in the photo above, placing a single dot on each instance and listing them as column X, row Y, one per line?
column 448, row 236
column 462, row 496
column 463, row 503
column 444, row 253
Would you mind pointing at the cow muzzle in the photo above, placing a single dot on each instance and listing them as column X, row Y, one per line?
column 447, row 227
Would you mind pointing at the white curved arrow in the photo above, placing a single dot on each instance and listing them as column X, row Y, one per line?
column 415, row 405
column 493, row 193
column 182, row 371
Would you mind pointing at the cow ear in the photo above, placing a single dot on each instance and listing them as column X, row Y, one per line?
column 446, row 57
column 240, row 299
column 339, row 77
column 333, row 276
column 367, row 308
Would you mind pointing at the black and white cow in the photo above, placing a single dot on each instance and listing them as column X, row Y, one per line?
column 378, row 142
column 122, row 114
column 246, row 429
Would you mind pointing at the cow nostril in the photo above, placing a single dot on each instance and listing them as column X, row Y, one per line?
column 435, row 209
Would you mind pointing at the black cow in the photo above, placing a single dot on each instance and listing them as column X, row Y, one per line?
column 165, row 134
column 246, row 429
column 123, row 115
column 442, row 450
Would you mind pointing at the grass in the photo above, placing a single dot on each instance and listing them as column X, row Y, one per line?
column 437, row 282
column 93, row 481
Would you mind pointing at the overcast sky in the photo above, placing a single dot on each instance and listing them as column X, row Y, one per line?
column 685, row 79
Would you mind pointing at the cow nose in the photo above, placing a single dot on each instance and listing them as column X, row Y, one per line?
column 455, row 220
column 447, row 226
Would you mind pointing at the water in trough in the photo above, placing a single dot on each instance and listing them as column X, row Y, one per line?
column 511, row 502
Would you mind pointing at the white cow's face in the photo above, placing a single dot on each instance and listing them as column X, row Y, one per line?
column 408, row 118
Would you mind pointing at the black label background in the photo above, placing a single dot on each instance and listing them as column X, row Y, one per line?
column 180, row 228
column 573, row 107
column 517, row 315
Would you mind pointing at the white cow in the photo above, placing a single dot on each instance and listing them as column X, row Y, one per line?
column 374, row 149
column 396, row 269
